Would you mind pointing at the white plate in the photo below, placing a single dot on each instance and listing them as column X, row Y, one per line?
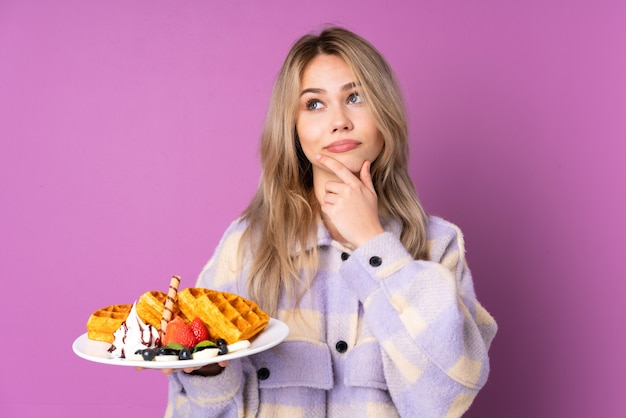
column 273, row 334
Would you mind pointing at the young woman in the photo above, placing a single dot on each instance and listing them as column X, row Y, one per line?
column 379, row 300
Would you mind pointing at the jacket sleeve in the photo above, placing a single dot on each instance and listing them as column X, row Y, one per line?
column 434, row 334
column 234, row 392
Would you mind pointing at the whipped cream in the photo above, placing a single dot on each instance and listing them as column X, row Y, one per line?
column 133, row 335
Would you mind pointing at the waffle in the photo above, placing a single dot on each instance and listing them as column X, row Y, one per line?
column 226, row 315
column 150, row 308
column 105, row 321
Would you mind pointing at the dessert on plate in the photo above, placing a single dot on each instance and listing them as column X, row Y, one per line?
column 191, row 324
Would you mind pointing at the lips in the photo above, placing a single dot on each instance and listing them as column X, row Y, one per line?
column 343, row 145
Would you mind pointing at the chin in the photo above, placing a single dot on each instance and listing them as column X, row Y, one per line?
column 354, row 166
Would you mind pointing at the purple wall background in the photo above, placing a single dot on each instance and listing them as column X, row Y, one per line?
column 128, row 135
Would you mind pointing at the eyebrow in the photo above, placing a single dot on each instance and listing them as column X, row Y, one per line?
column 345, row 87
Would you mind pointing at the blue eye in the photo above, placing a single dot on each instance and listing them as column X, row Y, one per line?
column 355, row 98
column 313, row 104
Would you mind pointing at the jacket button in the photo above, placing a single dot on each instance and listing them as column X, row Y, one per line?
column 344, row 256
column 341, row 346
column 263, row 373
column 376, row 261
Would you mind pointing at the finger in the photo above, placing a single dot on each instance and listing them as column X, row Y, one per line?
column 366, row 176
column 330, row 198
column 334, row 187
column 336, row 167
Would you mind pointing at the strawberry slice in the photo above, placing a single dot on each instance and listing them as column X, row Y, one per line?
column 178, row 331
column 199, row 330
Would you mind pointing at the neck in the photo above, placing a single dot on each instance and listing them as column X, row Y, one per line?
column 332, row 230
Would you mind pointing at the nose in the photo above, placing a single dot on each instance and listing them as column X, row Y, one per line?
column 340, row 120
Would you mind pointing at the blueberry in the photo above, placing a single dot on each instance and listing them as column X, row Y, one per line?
column 222, row 345
column 148, row 354
column 165, row 351
column 185, row 354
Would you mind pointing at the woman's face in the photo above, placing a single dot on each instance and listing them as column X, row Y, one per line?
column 332, row 118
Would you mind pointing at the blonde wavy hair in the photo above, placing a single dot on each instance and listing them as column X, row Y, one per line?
column 279, row 244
